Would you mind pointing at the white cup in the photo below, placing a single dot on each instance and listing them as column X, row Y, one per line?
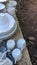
column 10, row 44
column 21, row 44
column 17, row 54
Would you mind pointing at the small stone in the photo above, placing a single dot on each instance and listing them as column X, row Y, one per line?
column 32, row 38
column 31, row 42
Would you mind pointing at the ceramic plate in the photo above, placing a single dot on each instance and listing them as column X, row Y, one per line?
column 9, row 34
column 9, row 26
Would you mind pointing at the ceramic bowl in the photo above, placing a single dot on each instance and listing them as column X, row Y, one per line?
column 21, row 44
column 17, row 54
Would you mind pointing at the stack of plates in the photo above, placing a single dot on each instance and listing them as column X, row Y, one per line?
column 8, row 25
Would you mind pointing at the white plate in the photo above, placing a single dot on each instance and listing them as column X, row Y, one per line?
column 3, row 1
column 9, row 26
column 2, row 6
column 9, row 34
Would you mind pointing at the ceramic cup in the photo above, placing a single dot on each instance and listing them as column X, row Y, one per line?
column 10, row 44
column 3, row 19
column 17, row 54
column 21, row 44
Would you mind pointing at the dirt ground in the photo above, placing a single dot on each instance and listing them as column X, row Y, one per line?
column 27, row 16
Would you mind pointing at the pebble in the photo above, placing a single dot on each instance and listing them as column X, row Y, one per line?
column 32, row 38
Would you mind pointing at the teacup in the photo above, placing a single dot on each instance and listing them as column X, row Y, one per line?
column 21, row 44
column 17, row 55
column 10, row 44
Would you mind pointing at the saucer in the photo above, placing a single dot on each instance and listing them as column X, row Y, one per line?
column 1, row 1
column 2, row 6
column 7, row 28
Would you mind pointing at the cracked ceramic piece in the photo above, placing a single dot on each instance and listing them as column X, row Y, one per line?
column 1, row 1
column 2, row 6
column 21, row 44
column 10, row 44
column 6, row 61
column 17, row 54
column 7, row 25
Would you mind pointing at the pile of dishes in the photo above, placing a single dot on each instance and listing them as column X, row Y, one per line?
column 12, row 51
column 8, row 24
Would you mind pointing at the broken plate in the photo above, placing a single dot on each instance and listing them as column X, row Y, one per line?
column 7, row 25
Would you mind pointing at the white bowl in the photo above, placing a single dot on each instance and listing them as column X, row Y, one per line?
column 2, row 6
column 21, row 44
column 17, row 54
column 10, row 44
column 3, row 1
column 7, row 25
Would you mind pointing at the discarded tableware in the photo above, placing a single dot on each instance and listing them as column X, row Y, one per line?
column 17, row 54
column 10, row 44
column 7, row 25
column 21, row 44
